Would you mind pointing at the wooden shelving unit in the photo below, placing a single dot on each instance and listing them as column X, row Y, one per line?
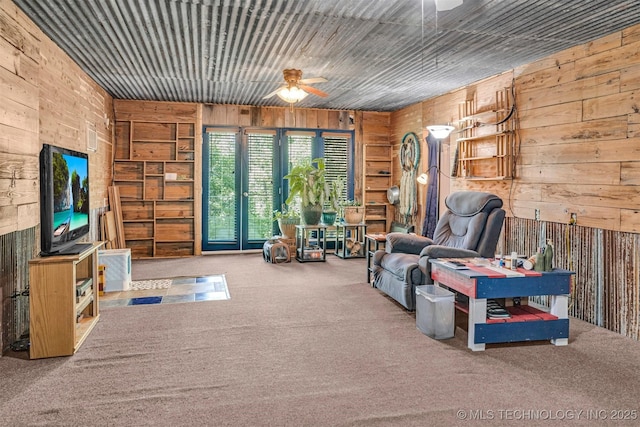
column 485, row 146
column 377, row 178
column 61, row 317
column 155, row 171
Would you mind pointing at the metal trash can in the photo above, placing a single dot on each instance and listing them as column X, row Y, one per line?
column 435, row 315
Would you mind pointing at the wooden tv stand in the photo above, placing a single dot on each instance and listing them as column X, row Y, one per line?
column 59, row 319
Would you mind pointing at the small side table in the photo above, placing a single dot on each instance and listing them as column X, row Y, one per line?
column 373, row 243
column 350, row 240
column 310, row 247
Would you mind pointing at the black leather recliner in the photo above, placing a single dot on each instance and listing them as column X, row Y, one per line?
column 470, row 227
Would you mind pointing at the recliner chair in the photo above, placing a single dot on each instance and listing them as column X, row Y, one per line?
column 470, row 227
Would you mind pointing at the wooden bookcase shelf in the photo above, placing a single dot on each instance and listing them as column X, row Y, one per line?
column 155, row 171
column 484, row 150
column 377, row 178
column 63, row 302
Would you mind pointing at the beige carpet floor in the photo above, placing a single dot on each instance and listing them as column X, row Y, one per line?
column 311, row 345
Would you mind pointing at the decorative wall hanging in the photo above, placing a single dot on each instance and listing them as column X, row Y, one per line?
column 431, row 202
column 409, row 160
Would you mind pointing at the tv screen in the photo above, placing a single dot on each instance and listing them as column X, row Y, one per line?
column 64, row 200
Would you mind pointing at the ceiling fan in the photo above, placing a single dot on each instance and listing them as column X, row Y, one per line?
column 296, row 88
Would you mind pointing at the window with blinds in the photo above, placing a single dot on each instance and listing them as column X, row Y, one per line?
column 336, row 148
column 337, row 158
column 260, row 185
column 300, row 146
column 221, row 192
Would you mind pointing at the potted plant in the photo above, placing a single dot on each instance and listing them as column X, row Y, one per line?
column 307, row 184
column 332, row 204
column 352, row 212
column 287, row 221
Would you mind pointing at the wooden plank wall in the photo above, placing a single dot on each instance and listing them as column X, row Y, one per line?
column 579, row 152
column 19, row 140
column 278, row 117
column 578, row 138
column 45, row 98
column 409, row 120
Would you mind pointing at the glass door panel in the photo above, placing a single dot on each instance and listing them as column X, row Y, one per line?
column 221, row 188
column 260, row 192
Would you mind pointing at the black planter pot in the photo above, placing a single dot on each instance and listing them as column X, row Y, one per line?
column 311, row 214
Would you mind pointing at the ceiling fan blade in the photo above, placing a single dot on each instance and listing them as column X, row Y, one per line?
column 273, row 93
column 313, row 90
column 313, row 80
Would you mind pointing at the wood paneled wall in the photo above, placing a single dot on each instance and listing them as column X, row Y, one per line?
column 278, row 117
column 578, row 151
column 45, row 98
column 578, row 141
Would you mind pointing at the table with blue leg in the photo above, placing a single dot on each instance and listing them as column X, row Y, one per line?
column 523, row 322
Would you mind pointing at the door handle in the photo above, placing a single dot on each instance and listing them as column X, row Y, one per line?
column 245, row 194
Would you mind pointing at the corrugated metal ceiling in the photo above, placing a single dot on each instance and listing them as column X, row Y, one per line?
column 378, row 55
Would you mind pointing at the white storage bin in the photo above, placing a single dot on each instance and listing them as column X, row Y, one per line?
column 435, row 311
column 118, row 269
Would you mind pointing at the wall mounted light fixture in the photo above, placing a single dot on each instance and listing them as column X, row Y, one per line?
column 440, row 131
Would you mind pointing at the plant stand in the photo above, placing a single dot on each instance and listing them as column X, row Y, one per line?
column 350, row 240
column 353, row 214
column 311, row 243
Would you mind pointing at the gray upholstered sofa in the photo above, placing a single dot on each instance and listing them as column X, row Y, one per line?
column 470, row 227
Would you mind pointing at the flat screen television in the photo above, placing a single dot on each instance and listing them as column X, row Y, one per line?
column 64, row 201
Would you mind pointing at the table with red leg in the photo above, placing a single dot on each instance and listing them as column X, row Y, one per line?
column 526, row 323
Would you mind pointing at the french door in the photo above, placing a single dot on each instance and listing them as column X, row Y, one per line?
column 243, row 184
column 238, row 187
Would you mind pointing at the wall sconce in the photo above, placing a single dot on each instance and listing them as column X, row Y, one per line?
column 440, row 131
column 423, row 178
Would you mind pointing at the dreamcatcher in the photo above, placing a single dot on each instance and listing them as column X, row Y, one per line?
column 409, row 160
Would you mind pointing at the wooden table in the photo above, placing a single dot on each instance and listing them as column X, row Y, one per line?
column 526, row 323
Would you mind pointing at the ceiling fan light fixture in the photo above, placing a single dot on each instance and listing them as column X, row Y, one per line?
column 440, row 131
column 291, row 94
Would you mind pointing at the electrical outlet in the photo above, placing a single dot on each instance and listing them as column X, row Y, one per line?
column 574, row 218
column 537, row 215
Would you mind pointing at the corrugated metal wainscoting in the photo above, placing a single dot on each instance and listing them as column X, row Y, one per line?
column 605, row 288
column 16, row 249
